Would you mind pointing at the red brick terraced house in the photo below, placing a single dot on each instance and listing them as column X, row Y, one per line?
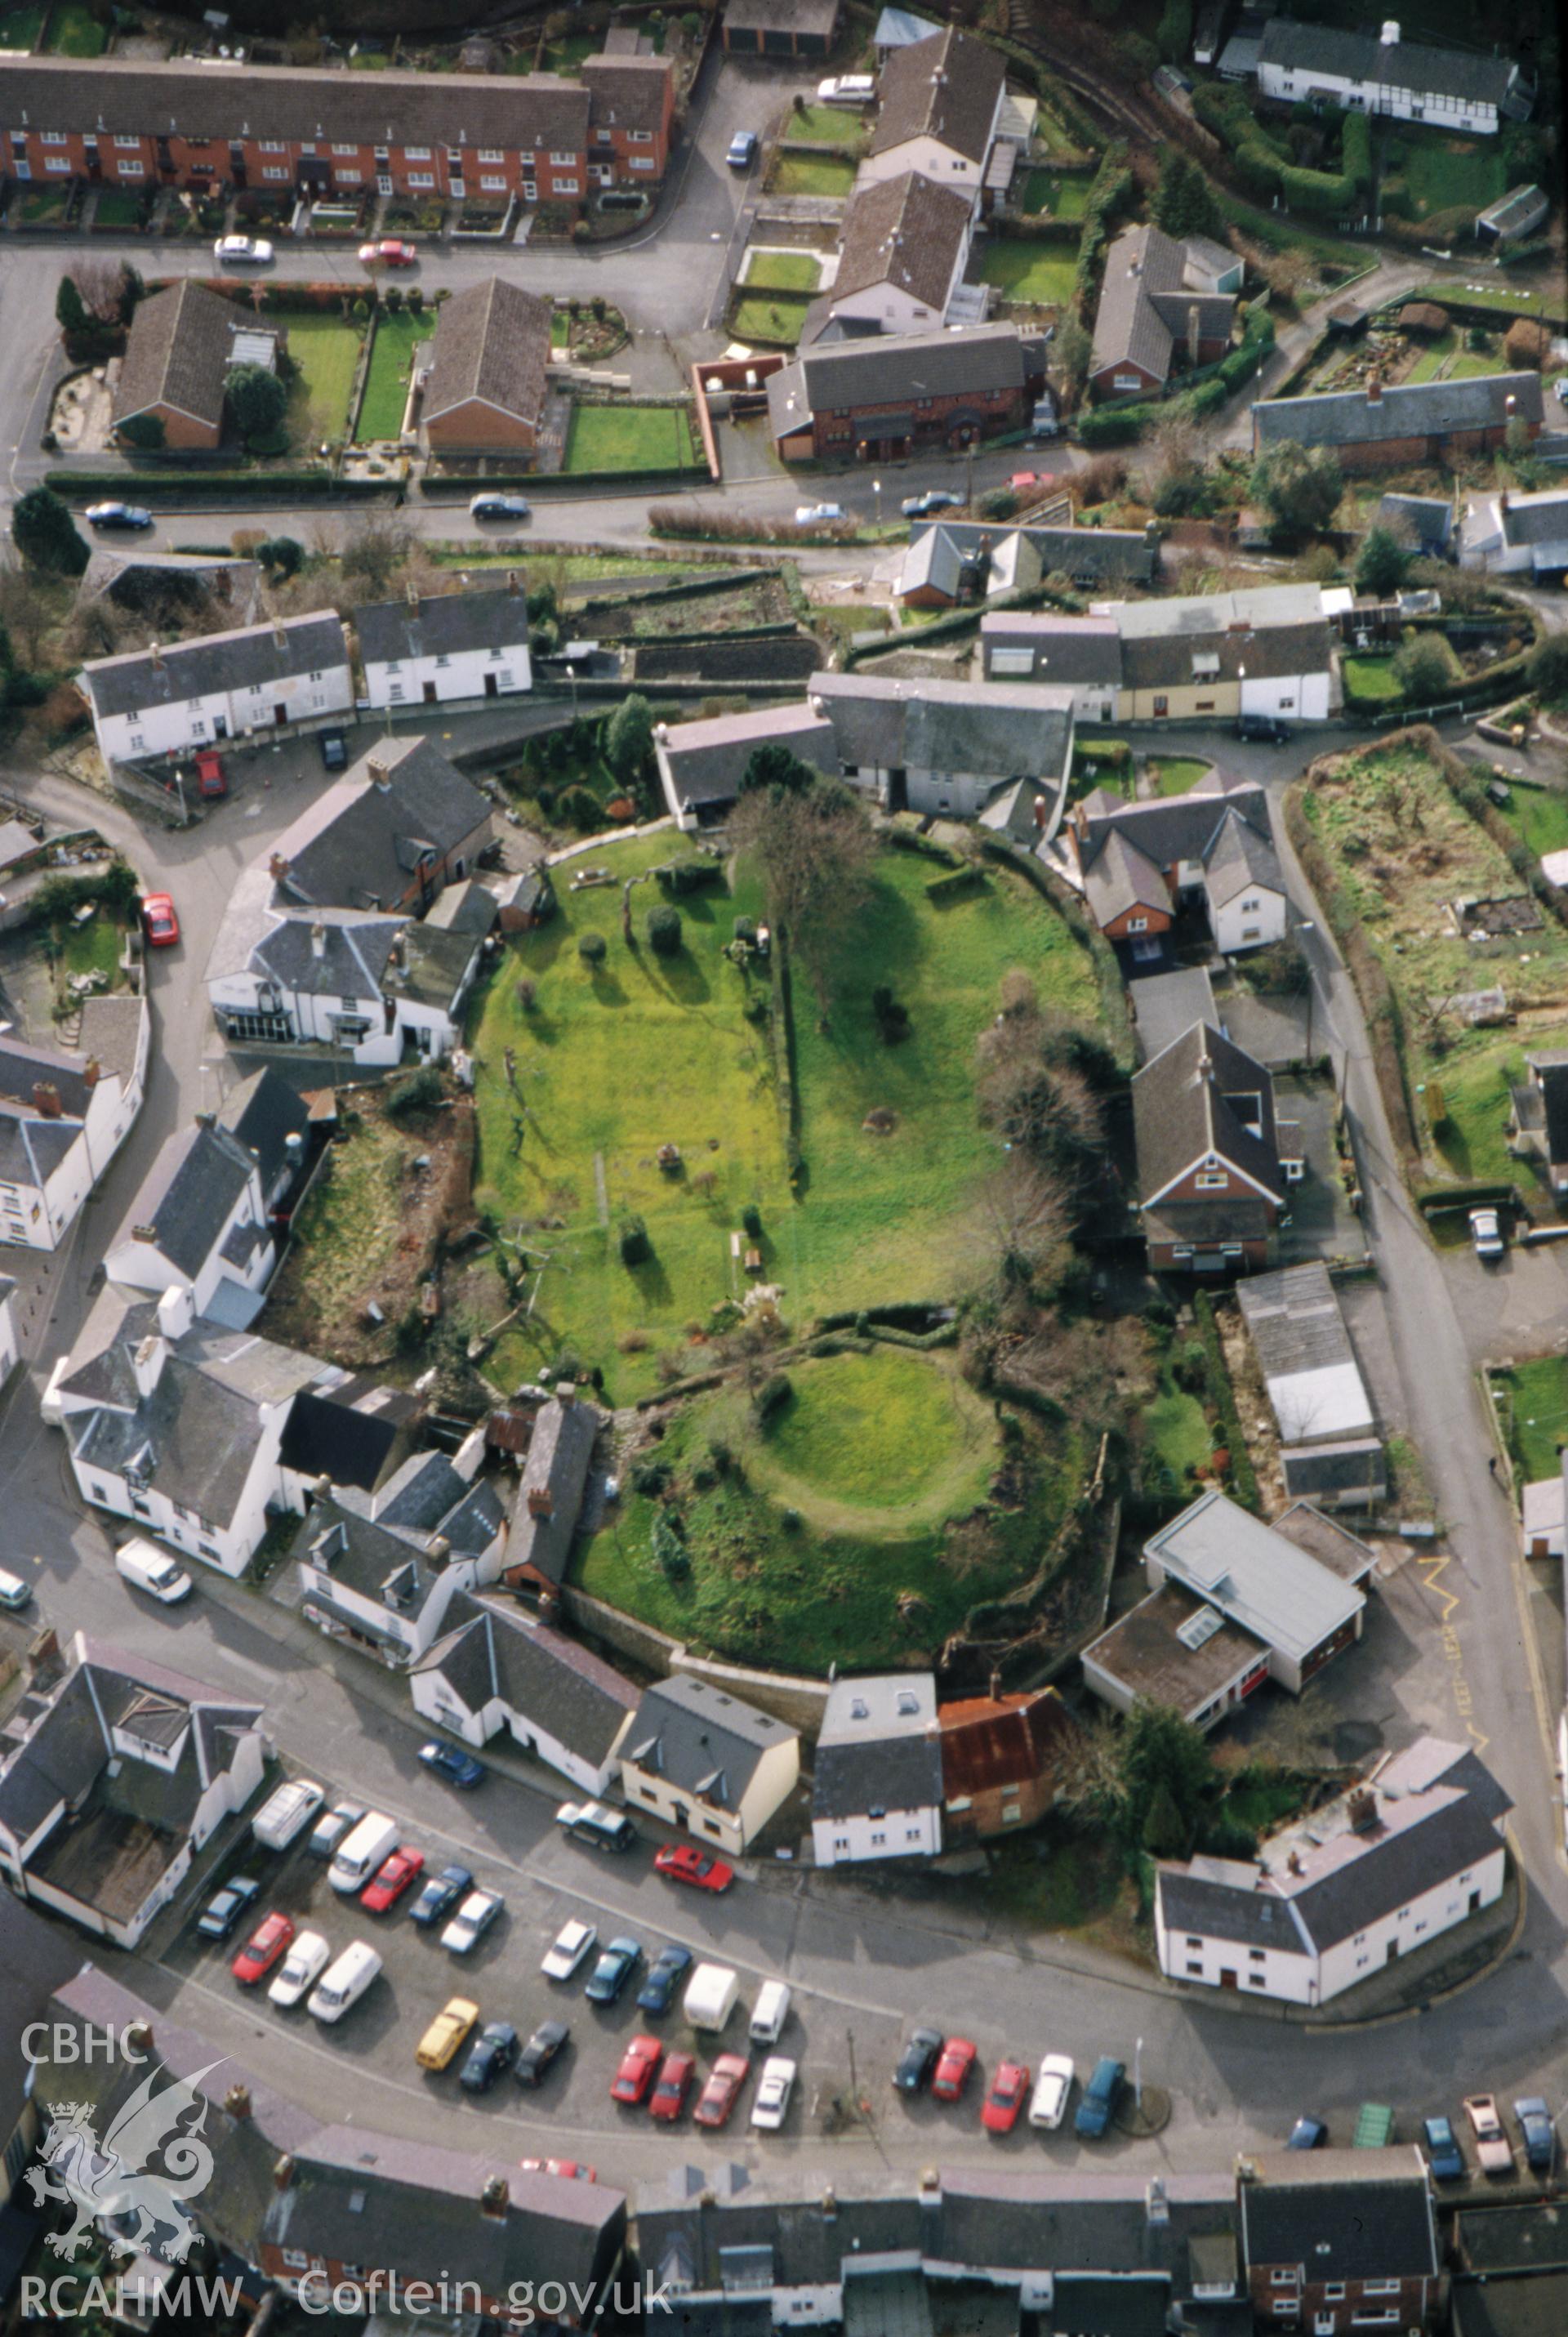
column 320, row 133
column 875, row 399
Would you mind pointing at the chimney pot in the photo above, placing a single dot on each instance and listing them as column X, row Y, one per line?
column 1510, row 405
column 1374, row 389
column 156, row 654
column 277, row 866
column 541, row 1501
column 140, row 2034
column 283, row 2171
column 377, row 772
column 494, row 2197
column 47, row 1099
column 144, row 1233
column 236, row 2101
column 92, row 1072
column 318, row 941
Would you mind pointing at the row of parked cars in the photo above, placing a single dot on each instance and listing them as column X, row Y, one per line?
column 1444, row 2154
column 943, row 2066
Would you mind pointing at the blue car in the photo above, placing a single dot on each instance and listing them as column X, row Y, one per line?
column 615, row 1967
column 1307, row 2134
column 451, row 1762
column 225, row 1908
column 659, row 1988
column 1540, row 2135
column 1098, row 2099
column 441, row 1895
column 1444, row 2156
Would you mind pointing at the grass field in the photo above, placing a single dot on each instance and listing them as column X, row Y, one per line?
column 1064, row 195
column 628, row 438
column 775, row 317
column 1532, row 1402
column 613, row 1064
column 1540, row 816
column 1370, row 682
column 327, row 352
column 118, row 206
column 20, row 28
column 812, row 174
column 1040, row 273
column 782, row 271
column 392, row 358
column 91, row 948
column 74, row 32
column 1472, row 1135
column 1175, row 1434
column 1450, row 356
column 1442, row 172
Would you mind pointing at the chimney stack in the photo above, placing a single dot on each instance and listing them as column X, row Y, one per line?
column 140, row 2034
column 541, row 1501
column 1374, row 389
column 494, row 2197
column 1362, row 1809
column 280, row 633
column 283, row 2171
column 1510, row 405
column 236, row 2101
column 318, row 939
column 47, row 1099
column 1195, row 332
column 156, row 654
column 278, row 867
column 294, row 1147
column 995, row 1687
column 92, row 1072
column 378, row 773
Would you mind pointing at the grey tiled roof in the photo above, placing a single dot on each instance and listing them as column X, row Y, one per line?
column 1405, row 65
column 559, row 1456
column 945, row 88
column 891, row 1773
column 109, row 1034
column 1174, row 827
column 249, row 655
column 707, row 759
column 1429, row 518
column 1240, row 857
column 391, row 631
column 261, row 1113
column 178, row 352
column 1416, row 1859
column 798, row 17
column 1320, row 1470
column 889, row 369
column 908, row 231
column 1066, row 649
column 1181, row 1112
column 1346, row 2219
column 1121, row 877
column 547, row 1680
column 492, row 343
column 32, row 1149
column 992, row 730
column 700, row 1740
column 1426, row 409
column 1536, row 519
column 34, row 1958
column 1218, row 1911
column 628, row 90
column 358, row 845
column 190, row 1194
column 23, row 1067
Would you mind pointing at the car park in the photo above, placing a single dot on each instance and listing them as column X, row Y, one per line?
column 109, row 517
column 1444, row 2156
column 225, row 1907
column 1098, row 2103
column 328, row 1832
column 935, row 499
column 774, row 2089
column 1053, row 2089
column 638, row 2067
column 441, row 1895
column 13, row 1592
column 657, row 1993
column 668, row 2100
column 615, row 1967
column 392, row 1879
column 1493, row 2147
column 471, row 1920
column 1486, row 1235
column 917, row 2061
column 683, row 1861
column 498, row 506
column 159, row 921
column 541, row 2052
column 956, row 2060
column 574, row 1942
column 390, row 251
column 717, row 2101
column 262, row 1949
column 451, row 2028
column 242, row 251
column 307, row 1959
column 742, row 151
column 492, row 2051
column 1005, row 2096
column 1307, row 2134
column 344, row 1982
column 451, row 1762
column 1537, row 2131
column 332, row 747
column 817, row 515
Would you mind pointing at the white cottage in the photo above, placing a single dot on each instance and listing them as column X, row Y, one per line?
column 440, row 652
column 258, row 678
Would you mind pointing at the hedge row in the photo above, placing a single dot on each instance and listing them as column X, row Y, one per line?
column 1222, row 108
column 82, row 486
column 1223, row 1398
column 962, row 881
column 1332, row 194
column 1110, row 188
column 784, row 1038
column 549, row 483
column 910, row 839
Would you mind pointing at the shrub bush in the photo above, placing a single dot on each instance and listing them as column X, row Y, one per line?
column 592, row 948
column 634, row 1246
column 678, row 877
column 663, row 929
column 420, row 1091
column 751, row 1218
column 773, row 1395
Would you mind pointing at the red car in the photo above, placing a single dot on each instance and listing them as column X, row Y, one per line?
column 570, row 2167
column 958, row 2058
column 638, row 2067
column 1022, row 481
column 391, row 252
column 673, row 2084
column 722, row 2091
column 159, row 922
column 1010, row 2090
column 262, row 1949
column 210, row 774
column 683, row 1861
column 403, row 1867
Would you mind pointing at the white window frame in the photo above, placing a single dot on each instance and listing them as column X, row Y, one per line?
column 417, row 154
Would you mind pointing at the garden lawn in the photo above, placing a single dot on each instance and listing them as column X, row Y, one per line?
column 784, row 271
column 392, row 358
column 20, row 28
column 92, row 947
column 118, row 206
column 74, row 31
column 1370, row 682
column 812, row 174
column 826, row 125
column 1473, row 1134
column 1540, row 816
column 326, row 350
column 1442, row 172
column 1175, row 774
column 565, row 55
column 630, row 438
column 776, row 317
column 1532, row 1402
column 1039, row 273
column 1065, row 196
column 1175, row 1435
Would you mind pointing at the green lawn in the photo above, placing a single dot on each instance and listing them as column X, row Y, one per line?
column 20, row 28
column 775, row 317
column 1369, row 681
column 1532, row 1402
column 326, row 351
column 1175, row 774
column 74, row 32
column 118, row 206
column 782, row 271
column 1540, row 816
column 560, row 329
column 630, row 438
column 1064, row 195
column 1473, row 1134
column 565, row 55
column 826, row 125
column 92, row 947
column 812, row 174
column 1507, row 300
column 1175, row 1434
column 1041, row 273
column 34, row 206
column 381, row 409
column 888, row 1436
column 1442, row 172
column 1450, row 356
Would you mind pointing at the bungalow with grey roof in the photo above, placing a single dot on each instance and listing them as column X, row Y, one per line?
column 1410, row 423
column 1156, row 302
column 1425, row 522
column 952, row 559
column 161, row 701
column 493, row 1667
column 699, row 1758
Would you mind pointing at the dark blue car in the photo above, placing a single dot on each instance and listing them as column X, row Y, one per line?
column 1444, row 2156
column 659, row 1988
column 615, row 1967
column 1307, row 2134
column 1540, row 2135
column 1098, row 2099
column 451, row 1762
column 441, row 1895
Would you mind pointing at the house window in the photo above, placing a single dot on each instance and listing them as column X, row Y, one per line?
column 566, row 160
column 911, row 1833
column 530, row 191
column 57, row 162
column 422, row 179
column 879, row 1842
column 130, row 169
column 841, row 1845
column 132, row 143
column 345, row 150
column 1195, row 1966
column 348, row 178
column 272, row 146
column 296, row 2260
column 639, row 161
column 1011, row 1814
column 493, row 186
column 491, row 154
column 566, row 187
column 1137, row 925
column 1257, row 1980
column 1212, row 1180
column 1257, row 1954
column 1284, row 2279
column 275, row 171
column 1161, row 705
column 416, row 153
column 639, row 137
column 53, row 137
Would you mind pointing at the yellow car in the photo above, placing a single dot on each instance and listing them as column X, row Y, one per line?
column 445, row 2033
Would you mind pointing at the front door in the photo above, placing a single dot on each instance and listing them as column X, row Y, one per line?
column 280, row 714
column 491, row 690
column 430, row 693
column 1227, row 1980
column 220, row 726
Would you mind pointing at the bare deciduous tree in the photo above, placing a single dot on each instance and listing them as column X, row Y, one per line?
column 25, row 611
column 100, row 282
column 815, row 848
column 374, row 549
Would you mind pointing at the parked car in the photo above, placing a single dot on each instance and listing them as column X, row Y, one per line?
column 344, row 1982
column 1444, row 2156
column 541, row 2052
column 1263, row 730
column 570, row 2169
column 109, row 517
column 847, row 89
column 1493, row 2147
column 225, row 1907
column 390, row 251
column 683, row 1861
column 147, row 1567
column 262, row 1949
column 392, row 1879
column 573, row 1943
column 774, row 2089
column 638, row 2067
column 159, row 922
column 211, row 780
column 1486, row 1235
column 816, row 515
column 441, row 1895
column 1053, row 2088
column 615, row 1967
column 722, row 2091
column 742, row 151
column 332, row 747
column 935, row 499
column 498, row 506
column 658, row 1992
column 303, row 1966
column 1307, row 2134
column 451, row 1762
column 1539, row 2133
column 918, row 2059
column 1022, row 481
column 242, row 251
column 958, row 2058
column 471, row 1920
column 13, row 1592
column 1005, row 2096
column 493, row 2050
column 338, row 1823
column 1099, row 2099
column 668, row 2097
column 451, row 2028
column 600, row 1827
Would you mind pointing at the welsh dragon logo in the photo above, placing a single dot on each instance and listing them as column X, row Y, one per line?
column 112, row 2178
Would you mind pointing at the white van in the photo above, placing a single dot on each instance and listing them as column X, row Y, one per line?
column 770, row 2012
column 847, row 89
column 342, row 1983
column 286, row 1812
column 710, row 1996
column 143, row 1564
column 361, row 1853
column 49, row 1404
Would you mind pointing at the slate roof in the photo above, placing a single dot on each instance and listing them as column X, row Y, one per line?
column 559, row 1456
column 1165, row 1005
column 359, row 844
column 909, row 232
column 1146, row 304
column 992, row 730
column 706, row 760
column 1417, row 1859
column 1536, row 519
column 1240, row 859
column 178, row 353
column 434, row 966
column 946, row 88
column 24, row 1067
column 32, row 1149
column 1157, row 659
column 1171, row 828
column 1410, row 65
column 35, row 1959
column 1428, row 518
column 896, row 369
column 262, row 1113
column 109, row 1034
column 1190, row 1904
column 195, row 1184
column 939, row 550
column 629, row 92
column 1426, row 409
column 889, row 1772
column 1121, row 877
column 491, row 1654
column 700, row 1740
column 293, row 101
column 214, row 663
column 1067, row 650
column 1184, row 1112
column 1344, row 2217
column 326, row 1437
column 1222, row 1553
column 492, row 343
column 392, row 632
column 1551, row 1083
column 1304, row 1352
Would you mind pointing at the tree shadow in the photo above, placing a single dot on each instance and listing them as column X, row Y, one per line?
column 681, row 978
column 653, row 1283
